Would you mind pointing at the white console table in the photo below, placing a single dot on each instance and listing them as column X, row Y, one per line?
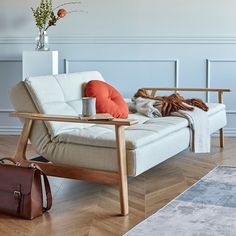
column 37, row 63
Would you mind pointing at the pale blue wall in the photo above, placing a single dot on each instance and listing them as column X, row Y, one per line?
column 134, row 43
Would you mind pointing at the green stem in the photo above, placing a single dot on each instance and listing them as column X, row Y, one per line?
column 58, row 18
column 76, row 11
column 68, row 3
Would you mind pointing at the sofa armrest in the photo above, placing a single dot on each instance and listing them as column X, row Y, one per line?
column 190, row 89
column 220, row 91
column 104, row 176
column 74, row 119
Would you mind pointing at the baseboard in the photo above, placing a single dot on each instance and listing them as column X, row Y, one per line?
column 10, row 130
column 229, row 132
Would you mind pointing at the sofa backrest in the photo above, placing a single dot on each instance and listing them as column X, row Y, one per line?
column 60, row 95
column 22, row 102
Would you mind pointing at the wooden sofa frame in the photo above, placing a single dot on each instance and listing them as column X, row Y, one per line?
column 75, row 172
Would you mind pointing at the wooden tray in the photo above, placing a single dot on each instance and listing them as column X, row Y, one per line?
column 99, row 116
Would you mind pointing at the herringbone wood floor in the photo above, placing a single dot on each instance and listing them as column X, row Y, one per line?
column 82, row 208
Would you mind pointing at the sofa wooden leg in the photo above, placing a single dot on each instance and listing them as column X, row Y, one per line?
column 122, row 169
column 222, row 138
column 23, row 141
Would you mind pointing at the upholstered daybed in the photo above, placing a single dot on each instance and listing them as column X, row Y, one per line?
column 96, row 152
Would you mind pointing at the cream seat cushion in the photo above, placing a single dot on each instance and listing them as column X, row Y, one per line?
column 136, row 135
column 147, row 131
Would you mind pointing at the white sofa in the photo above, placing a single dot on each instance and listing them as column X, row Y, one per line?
column 93, row 146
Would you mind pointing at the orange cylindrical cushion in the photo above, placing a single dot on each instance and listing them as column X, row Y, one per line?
column 108, row 99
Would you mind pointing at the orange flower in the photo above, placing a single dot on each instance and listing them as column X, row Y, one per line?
column 61, row 13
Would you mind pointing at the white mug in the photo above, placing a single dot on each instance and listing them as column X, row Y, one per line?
column 88, row 106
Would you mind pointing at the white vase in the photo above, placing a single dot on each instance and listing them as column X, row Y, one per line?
column 42, row 41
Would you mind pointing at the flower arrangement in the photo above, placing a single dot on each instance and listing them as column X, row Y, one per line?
column 46, row 17
column 44, row 14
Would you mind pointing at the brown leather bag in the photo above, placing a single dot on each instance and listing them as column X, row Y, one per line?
column 21, row 192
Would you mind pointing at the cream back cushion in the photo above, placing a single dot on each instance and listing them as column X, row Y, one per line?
column 60, row 95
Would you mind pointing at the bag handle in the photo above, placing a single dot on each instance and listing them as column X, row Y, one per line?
column 10, row 159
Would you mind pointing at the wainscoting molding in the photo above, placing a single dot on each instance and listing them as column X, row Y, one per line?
column 162, row 39
column 228, row 131
column 9, row 130
column 208, row 81
column 8, row 60
column 208, row 70
column 175, row 61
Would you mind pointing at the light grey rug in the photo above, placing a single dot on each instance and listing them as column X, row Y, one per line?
column 208, row 208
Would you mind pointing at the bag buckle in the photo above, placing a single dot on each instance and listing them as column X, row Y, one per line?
column 17, row 194
column 17, row 197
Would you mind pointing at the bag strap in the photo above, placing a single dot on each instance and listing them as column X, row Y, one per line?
column 47, row 191
column 46, row 187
